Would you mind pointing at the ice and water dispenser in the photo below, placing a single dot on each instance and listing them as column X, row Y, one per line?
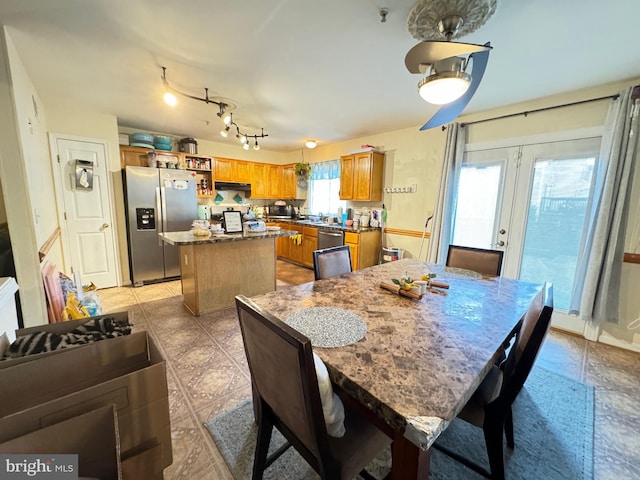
column 145, row 219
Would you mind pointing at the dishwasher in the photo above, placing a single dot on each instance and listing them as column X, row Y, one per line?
column 330, row 237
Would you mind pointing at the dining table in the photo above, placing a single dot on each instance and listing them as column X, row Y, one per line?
column 410, row 363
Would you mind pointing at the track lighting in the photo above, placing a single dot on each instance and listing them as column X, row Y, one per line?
column 227, row 117
column 170, row 99
column 223, row 111
column 256, row 146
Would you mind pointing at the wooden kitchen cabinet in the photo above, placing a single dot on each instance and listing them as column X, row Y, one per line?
column 243, row 171
column 352, row 240
column 361, row 176
column 231, row 170
column 138, row 156
column 225, row 170
column 289, row 180
column 346, row 177
column 365, row 248
column 296, row 252
column 283, row 244
column 274, row 174
column 309, row 245
column 259, row 180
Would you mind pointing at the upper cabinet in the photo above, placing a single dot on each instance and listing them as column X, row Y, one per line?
column 225, row 170
column 274, row 172
column 231, row 170
column 243, row 171
column 259, row 180
column 139, row 157
column 289, row 180
column 361, row 176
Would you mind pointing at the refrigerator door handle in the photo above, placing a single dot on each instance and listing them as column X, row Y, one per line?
column 159, row 213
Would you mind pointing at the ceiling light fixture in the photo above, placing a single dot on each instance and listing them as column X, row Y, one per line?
column 246, row 146
column 223, row 111
column 170, row 99
column 256, row 146
column 446, row 63
column 311, row 143
column 446, row 82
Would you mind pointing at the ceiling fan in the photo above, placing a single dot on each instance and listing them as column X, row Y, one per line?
column 454, row 69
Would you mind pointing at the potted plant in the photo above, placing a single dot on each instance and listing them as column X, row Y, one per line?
column 302, row 169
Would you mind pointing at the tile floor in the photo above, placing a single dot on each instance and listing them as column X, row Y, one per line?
column 207, row 374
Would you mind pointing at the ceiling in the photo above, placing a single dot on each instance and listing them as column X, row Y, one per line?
column 329, row 70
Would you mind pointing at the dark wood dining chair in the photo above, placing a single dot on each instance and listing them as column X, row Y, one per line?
column 331, row 261
column 490, row 405
column 284, row 381
column 485, row 262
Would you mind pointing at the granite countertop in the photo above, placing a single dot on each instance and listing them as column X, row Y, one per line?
column 420, row 360
column 188, row 238
column 334, row 226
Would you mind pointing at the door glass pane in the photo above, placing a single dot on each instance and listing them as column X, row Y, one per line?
column 477, row 205
column 555, row 224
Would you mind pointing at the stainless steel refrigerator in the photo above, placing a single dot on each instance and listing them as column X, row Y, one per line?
column 157, row 200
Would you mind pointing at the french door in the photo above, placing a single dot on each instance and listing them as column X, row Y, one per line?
column 530, row 201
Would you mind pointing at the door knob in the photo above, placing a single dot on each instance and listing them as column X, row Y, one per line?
column 104, row 225
column 499, row 244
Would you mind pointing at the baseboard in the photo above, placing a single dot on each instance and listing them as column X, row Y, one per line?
column 614, row 342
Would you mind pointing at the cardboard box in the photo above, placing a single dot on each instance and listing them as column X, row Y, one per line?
column 92, row 436
column 127, row 371
column 60, row 328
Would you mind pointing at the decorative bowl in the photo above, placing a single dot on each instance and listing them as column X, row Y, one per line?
column 141, row 138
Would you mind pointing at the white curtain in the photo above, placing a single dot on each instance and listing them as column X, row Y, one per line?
column 445, row 205
column 596, row 290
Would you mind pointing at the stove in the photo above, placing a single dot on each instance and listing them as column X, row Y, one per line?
column 277, row 218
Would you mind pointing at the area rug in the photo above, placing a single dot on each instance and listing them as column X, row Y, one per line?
column 553, row 428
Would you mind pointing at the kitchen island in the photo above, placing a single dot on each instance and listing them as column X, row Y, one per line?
column 217, row 268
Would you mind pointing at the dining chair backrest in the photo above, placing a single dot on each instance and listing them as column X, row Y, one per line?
column 532, row 332
column 485, row 262
column 332, row 261
column 283, row 375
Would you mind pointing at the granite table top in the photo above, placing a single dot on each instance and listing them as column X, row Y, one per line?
column 420, row 360
column 188, row 238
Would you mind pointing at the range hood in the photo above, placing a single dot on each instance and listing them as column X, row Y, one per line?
column 242, row 187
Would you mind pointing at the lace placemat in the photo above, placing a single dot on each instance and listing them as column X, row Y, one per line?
column 328, row 326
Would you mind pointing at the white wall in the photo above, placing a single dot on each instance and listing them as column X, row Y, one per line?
column 21, row 152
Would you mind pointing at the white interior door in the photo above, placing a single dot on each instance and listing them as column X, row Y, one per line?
column 89, row 245
column 531, row 202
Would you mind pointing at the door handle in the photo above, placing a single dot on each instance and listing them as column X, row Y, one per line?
column 104, row 226
column 499, row 244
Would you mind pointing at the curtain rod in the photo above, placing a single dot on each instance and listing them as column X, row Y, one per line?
column 527, row 112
